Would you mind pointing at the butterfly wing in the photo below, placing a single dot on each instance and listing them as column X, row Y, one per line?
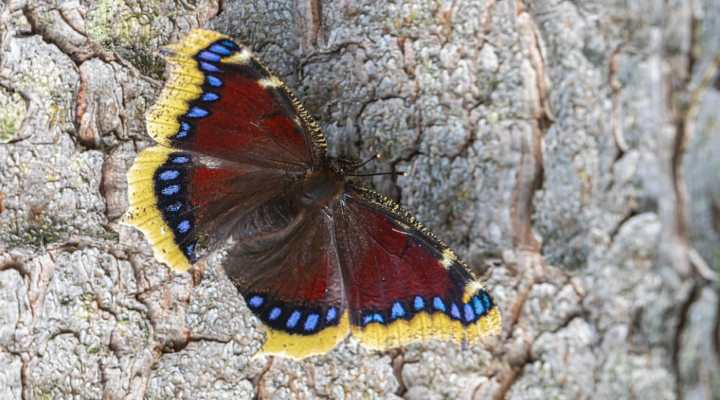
column 286, row 267
column 220, row 100
column 402, row 284
column 185, row 202
column 231, row 137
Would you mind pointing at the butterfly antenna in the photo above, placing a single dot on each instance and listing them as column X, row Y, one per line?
column 393, row 173
column 361, row 164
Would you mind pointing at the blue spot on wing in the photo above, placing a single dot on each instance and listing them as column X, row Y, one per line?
column 170, row 190
column 487, row 302
column 183, row 226
column 311, row 322
column 274, row 313
column 377, row 317
column 331, row 315
column 419, row 303
column 190, row 251
column 169, row 175
column 197, row 112
column 214, row 81
column 207, row 67
column 367, row 319
column 210, row 96
column 469, row 314
column 397, row 311
column 293, row 320
column 256, row 301
column 184, row 130
column 438, row 304
column 478, row 306
column 174, row 207
column 180, row 160
column 208, row 56
column 220, row 49
column 230, row 44
column 454, row 311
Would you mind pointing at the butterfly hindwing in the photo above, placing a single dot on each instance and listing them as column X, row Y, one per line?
column 402, row 284
column 286, row 268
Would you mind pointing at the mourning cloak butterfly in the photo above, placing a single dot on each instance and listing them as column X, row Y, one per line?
column 316, row 257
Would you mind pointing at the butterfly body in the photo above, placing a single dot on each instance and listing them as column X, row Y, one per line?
column 241, row 165
column 321, row 188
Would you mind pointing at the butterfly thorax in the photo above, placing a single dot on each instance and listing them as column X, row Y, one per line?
column 321, row 187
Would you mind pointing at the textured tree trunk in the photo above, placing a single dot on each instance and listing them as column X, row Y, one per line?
column 569, row 151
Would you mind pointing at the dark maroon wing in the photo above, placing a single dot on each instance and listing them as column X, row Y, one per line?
column 286, row 266
column 221, row 101
column 402, row 284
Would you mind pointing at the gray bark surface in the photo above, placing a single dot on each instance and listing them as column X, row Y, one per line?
column 569, row 151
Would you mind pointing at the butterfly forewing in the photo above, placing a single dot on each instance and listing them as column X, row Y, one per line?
column 221, row 101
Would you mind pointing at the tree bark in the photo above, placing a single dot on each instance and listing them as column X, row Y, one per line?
column 569, row 151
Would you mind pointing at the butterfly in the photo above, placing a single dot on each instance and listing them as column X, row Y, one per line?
column 241, row 165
